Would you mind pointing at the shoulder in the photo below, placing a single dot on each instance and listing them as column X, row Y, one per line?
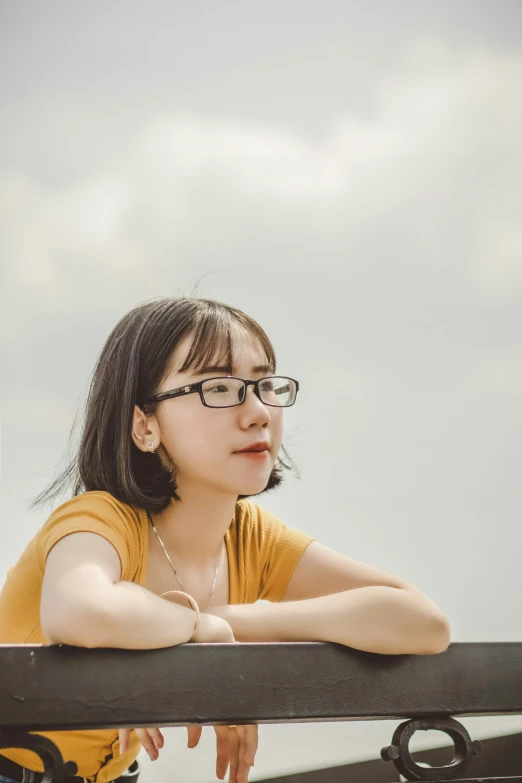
column 94, row 505
column 93, row 512
column 258, row 524
column 253, row 519
column 271, row 548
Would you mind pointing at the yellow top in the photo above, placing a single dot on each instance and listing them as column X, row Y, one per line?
column 262, row 555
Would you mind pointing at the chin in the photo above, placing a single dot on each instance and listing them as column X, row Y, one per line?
column 251, row 490
column 251, row 487
column 253, row 484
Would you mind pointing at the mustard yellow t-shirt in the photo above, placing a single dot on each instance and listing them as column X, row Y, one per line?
column 262, row 555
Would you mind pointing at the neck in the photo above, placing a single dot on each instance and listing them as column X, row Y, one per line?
column 194, row 527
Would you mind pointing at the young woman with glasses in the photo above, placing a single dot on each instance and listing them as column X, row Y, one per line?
column 161, row 544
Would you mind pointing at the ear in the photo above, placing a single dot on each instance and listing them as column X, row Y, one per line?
column 145, row 430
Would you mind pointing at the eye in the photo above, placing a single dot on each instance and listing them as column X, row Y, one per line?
column 219, row 388
column 267, row 385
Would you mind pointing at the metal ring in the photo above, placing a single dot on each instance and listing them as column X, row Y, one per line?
column 399, row 751
column 55, row 770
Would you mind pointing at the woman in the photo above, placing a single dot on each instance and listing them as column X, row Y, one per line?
column 159, row 544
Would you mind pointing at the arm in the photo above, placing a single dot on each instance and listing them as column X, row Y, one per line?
column 332, row 597
column 378, row 619
column 85, row 605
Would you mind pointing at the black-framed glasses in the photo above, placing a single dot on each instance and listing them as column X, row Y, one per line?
column 228, row 391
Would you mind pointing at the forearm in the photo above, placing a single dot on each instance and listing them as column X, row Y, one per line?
column 376, row 619
column 132, row 617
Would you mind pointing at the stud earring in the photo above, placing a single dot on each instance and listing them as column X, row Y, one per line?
column 150, row 447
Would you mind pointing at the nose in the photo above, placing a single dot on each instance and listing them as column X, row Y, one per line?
column 246, row 389
column 251, row 390
column 253, row 407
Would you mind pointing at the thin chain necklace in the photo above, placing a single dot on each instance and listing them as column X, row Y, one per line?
column 172, row 564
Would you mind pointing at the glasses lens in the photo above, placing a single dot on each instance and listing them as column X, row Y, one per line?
column 278, row 391
column 223, row 392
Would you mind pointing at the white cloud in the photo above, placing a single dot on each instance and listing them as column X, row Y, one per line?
column 444, row 142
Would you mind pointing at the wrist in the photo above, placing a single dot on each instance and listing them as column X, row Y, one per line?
column 246, row 620
column 213, row 628
column 266, row 621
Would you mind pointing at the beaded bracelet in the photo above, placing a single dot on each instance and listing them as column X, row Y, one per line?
column 191, row 601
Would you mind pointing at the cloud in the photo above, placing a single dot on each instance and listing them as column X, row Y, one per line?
column 438, row 163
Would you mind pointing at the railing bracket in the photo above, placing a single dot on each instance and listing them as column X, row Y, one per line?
column 55, row 769
column 399, row 752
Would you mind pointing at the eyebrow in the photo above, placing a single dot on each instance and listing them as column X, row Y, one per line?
column 258, row 369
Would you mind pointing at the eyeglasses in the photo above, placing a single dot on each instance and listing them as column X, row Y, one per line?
column 227, row 391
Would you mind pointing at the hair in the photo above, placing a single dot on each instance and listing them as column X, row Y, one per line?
column 133, row 362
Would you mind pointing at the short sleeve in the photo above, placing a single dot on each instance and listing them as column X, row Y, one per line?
column 92, row 512
column 280, row 549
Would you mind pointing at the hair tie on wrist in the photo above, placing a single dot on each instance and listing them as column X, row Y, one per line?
column 191, row 601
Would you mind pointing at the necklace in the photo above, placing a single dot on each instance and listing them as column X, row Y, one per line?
column 172, row 564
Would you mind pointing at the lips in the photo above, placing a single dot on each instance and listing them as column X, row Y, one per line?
column 258, row 446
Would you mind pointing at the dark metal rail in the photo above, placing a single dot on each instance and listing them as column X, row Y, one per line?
column 61, row 688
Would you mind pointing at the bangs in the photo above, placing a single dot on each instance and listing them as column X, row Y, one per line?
column 217, row 329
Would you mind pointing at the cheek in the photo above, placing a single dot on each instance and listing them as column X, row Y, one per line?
column 277, row 428
column 195, row 432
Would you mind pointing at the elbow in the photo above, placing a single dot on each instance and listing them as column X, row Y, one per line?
column 80, row 627
column 433, row 630
column 436, row 637
column 72, row 639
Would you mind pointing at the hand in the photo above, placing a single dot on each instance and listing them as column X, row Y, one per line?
column 236, row 746
column 151, row 739
column 213, row 628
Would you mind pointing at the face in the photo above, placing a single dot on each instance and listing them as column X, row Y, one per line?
column 203, row 442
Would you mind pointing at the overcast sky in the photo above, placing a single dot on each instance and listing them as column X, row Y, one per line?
column 347, row 173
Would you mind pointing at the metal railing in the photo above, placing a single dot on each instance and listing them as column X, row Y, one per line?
column 60, row 688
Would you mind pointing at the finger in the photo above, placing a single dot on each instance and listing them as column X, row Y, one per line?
column 233, row 742
column 247, row 735
column 156, row 736
column 242, row 767
column 148, row 743
column 194, row 735
column 251, row 743
column 248, row 742
column 223, row 751
column 124, row 737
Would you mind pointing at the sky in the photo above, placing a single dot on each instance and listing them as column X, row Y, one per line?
column 349, row 175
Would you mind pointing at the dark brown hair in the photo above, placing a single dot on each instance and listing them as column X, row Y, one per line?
column 132, row 364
